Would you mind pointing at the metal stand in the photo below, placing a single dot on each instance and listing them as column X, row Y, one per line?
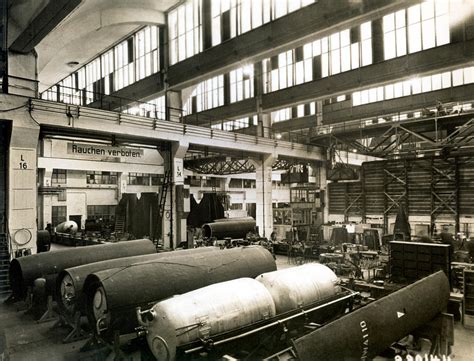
column 49, row 315
column 77, row 333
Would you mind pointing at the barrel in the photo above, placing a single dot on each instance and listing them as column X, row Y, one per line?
column 298, row 287
column 112, row 295
column 205, row 312
column 24, row 270
column 70, row 282
column 366, row 332
column 232, row 228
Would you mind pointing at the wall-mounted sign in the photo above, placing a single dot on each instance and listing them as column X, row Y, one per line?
column 178, row 171
column 104, row 151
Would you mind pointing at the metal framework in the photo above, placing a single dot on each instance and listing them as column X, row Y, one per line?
column 395, row 189
column 220, row 165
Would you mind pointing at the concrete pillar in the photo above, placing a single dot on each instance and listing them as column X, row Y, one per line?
column 324, row 190
column 22, row 193
column 264, row 211
column 174, row 217
column 174, row 106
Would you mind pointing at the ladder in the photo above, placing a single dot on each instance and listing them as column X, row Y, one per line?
column 4, row 265
column 119, row 224
column 163, row 193
column 161, row 203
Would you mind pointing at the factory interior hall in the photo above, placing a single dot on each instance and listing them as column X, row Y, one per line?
column 236, row 180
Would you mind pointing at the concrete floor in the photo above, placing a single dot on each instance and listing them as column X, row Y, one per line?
column 22, row 339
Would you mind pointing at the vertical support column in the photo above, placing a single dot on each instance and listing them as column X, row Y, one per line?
column 323, row 186
column 364, row 192
column 45, row 215
column 433, row 200
column 22, row 204
column 174, row 106
column 264, row 210
column 456, row 197
column 174, row 220
column 264, row 125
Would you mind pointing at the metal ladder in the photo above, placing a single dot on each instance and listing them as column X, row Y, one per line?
column 4, row 265
column 162, row 202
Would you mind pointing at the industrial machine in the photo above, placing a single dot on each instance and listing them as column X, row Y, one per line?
column 112, row 295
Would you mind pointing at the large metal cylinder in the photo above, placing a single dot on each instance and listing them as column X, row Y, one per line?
column 366, row 332
column 24, row 270
column 70, row 282
column 207, row 311
column 298, row 287
column 233, row 228
column 112, row 295
column 67, row 227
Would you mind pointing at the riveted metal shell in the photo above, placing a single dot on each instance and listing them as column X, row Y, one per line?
column 70, row 282
column 297, row 287
column 24, row 270
column 369, row 330
column 229, row 228
column 145, row 283
column 205, row 312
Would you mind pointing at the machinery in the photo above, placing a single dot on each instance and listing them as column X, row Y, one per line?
column 253, row 316
column 112, row 295
column 70, row 282
column 23, row 271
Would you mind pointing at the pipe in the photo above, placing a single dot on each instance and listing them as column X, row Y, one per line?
column 24, row 270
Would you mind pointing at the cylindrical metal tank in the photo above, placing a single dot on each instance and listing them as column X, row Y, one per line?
column 229, row 228
column 67, row 227
column 43, row 241
column 24, row 270
column 366, row 332
column 205, row 312
column 297, row 287
column 70, row 282
column 112, row 295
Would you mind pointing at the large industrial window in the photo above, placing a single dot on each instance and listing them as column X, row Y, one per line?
column 241, row 83
column 413, row 86
column 185, row 30
column 206, row 95
column 59, row 176
column 235, row 183
column 101, row 177
column 236, row 124
column 139, row 179
column 155, row 108
column 395, row 38
column 131, row 60
column 58, row 215
column 146, row 52
column 107, row 62
column 124, row 73
column 428, row 27
column 231, row 18
column 104, row 212
column 342, row 51
column 300, row 110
